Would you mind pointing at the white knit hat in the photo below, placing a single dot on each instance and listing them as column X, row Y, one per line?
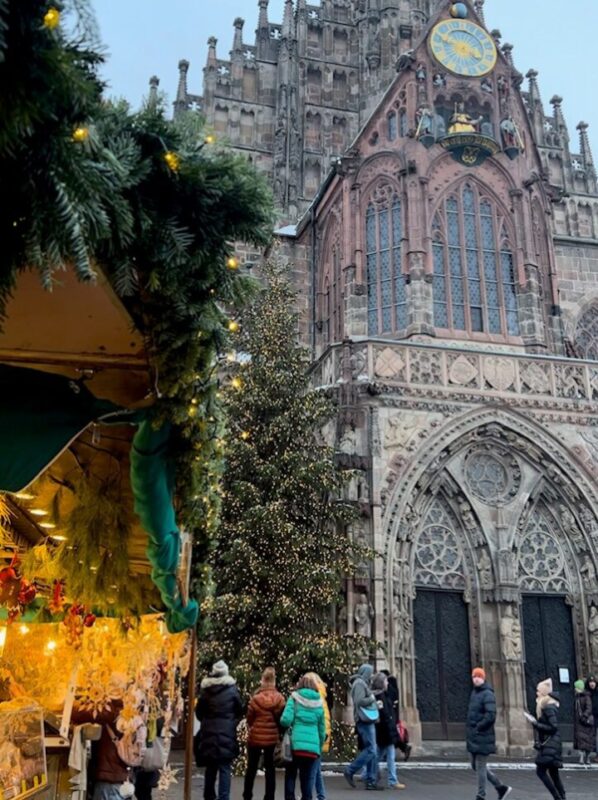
column 219, row 669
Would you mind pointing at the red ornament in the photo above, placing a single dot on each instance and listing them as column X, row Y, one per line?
column 27, row 593
column 7, row 575
column 56, row 604
column 89, row 620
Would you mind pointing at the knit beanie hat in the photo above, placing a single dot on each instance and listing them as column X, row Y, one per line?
column 378, row 682
column 220, row 669
column 269, row 677
column 478, row 672
column 579, row 686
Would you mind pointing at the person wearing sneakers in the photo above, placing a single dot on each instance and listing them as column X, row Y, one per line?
column 481, row 738
column 365, row 714
column 263, row 715
column 547, row 739
column 386, row 729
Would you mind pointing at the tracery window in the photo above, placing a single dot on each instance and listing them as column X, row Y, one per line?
column 331, row 306
column 586, row 334
column 438, row 556
column 387, row 297
column 474, row 275
column 541, row 558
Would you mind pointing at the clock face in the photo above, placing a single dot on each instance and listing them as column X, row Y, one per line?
column 463, row 48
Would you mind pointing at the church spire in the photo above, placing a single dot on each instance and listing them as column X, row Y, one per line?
column 262, row 21
column 288, row 20
column 536, row 109
column 238, row 36
column 152, row 100
column 212, row 61
column 559, row 118
column 584, row 146
column 182, row 101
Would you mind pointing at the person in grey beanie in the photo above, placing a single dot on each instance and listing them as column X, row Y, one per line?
column 219, row 709
column 365, row 713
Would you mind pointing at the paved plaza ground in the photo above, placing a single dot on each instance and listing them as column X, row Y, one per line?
column 437, row 782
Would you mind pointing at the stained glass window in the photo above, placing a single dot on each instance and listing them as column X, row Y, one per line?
column 387, row 296
column 474, row 280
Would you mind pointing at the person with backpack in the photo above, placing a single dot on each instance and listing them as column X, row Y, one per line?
column 481, row 737
column 365, row 714
column 303, row 718
column 584, row 736
column 219, row 709
column 263, row 717
column 547, row 739
column 322, row 689
column 386, row 729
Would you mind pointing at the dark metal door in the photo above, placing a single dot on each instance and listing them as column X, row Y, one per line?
column 549, row 647
column 443, row 663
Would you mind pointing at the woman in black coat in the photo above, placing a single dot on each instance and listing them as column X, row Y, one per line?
column 219, row 709
column 547, row 739
column 592, row 688
column 584, row 735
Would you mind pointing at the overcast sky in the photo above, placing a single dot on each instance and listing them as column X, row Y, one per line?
column 147, row 37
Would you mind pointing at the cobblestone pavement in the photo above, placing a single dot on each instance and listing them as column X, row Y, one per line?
column 436, row 782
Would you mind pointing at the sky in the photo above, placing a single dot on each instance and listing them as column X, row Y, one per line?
column 149, row 37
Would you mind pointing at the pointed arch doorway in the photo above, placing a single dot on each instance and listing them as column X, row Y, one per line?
column 441, row 626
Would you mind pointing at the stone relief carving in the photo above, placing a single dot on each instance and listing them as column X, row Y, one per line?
column 492, row 474
column 593, row 631
column 363, row 616
column 571, row 529
column 485, row 576
column 510, row 634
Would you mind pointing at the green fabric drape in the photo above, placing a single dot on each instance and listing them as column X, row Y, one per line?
column 40, row 414
column 152, row 480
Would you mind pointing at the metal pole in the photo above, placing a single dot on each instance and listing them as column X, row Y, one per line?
column 190, row 713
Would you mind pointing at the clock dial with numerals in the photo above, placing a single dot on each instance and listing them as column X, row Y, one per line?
column 463, row 48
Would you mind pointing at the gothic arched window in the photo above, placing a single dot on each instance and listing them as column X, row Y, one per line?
column 392, row 126
column 586, row 334
column 387, row 298
column 331, row 298
column 474, row 275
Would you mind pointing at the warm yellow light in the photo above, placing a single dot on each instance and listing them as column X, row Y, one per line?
column 192, row 411
column 233, row 326
column 210, row 139
column 230, row 357
column 52, row 18
column 236, row 382
column 2, row 638
column 39, row 512
column 51, row 646
column 172, row 160
column 48, row 525
column 232, row 263
column 245, row 435
column 24, row 629
column 58, row 537
column 80, row 134
column 24, row 496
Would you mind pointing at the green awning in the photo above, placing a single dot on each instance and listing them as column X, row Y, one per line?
column 40, row 415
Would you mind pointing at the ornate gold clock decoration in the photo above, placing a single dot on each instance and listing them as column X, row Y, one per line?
column 463, row 48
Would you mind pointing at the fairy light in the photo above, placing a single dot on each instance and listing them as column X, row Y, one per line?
column 38, row 512
column 232, row 262
column 58, row 537
column 2, row 638
column 24, row 496
column 24, row 630
column 47, row 525
column 233, row 326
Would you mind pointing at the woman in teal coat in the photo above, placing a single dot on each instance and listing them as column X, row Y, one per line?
column 304, row 715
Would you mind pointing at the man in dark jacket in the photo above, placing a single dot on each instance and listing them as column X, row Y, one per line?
column 481, row 739
column 592, row 688
column 219, row 709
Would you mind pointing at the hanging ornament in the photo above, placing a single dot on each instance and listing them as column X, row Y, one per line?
column 52, row 18
column 27, row 593
column 56, row 603
column 172, row 160
column 80, row 134
column 73, row 623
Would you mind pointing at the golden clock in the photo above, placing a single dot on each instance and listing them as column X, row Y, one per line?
column 463, row 48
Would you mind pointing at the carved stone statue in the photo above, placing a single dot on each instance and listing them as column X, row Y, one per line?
column 421, row 73
column 485, row 570
column 439, row 79
column 571, row 528
column 363, row 615
column 510, row 134
column 593, row 631
column 588, row 573
column 425, row 122
column 510, row 634
column 462, row 122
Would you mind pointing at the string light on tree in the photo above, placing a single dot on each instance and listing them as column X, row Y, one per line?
column 233, row 326
column 172, row 160
column 52, row 18
column 81, row 134
column 210, row 138
column 232, row 263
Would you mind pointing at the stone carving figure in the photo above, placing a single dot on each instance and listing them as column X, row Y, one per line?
column 593, row 631
column 425, row 122
column 363, row 615
column 510, row 634
column 571, row 528
column 485, row 570
column 588, row 573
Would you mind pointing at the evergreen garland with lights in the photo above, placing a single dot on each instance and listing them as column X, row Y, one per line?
column 282, row 549
column 154, row 205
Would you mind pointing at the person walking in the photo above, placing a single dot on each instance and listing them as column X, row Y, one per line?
column 365, row 713
column 481, row 737
column 323, row 690
column 386, row 729
column 592, row 687
column 584, row 733
column 547, row 739
column 219, row 709
column 304, row 716
column 393, row 692
column 263, row 716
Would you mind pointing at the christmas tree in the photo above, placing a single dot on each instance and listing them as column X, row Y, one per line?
column 282, row 550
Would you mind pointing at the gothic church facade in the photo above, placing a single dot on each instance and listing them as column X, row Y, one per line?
column 443, row 231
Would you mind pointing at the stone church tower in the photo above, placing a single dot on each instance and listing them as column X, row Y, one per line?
column 448, row 268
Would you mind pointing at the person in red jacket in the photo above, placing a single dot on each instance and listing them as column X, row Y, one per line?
column 264, row 712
